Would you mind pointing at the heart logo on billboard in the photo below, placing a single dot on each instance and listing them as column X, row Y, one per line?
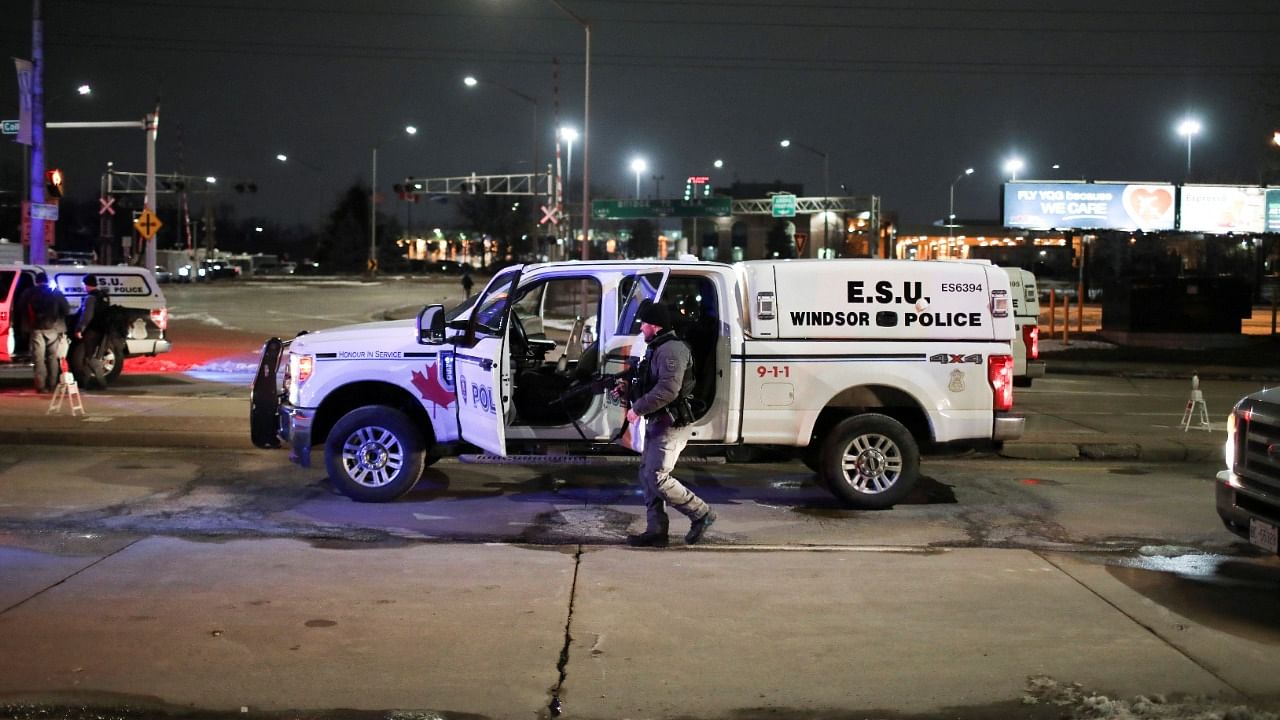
column 1150, row 207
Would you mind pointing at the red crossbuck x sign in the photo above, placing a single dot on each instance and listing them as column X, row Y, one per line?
column 106, row 204
column 550, row 215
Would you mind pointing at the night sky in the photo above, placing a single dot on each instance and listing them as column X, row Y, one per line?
column 902, row 96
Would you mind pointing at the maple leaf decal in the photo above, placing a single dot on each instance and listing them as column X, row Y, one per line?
column 429, row 386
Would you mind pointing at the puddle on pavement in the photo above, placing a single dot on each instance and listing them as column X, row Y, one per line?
column 1237, row 596
column 67, row 543
column 589, row 524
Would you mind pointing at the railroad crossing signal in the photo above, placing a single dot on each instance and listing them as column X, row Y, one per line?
column 104, row 206
column 147, row 224
column 550, row 215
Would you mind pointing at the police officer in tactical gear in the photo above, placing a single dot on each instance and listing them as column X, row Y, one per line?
column 47, row 309
column 662, row 399
column 90, row 334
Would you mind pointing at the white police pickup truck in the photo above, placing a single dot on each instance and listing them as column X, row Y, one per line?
column 854, row 363
column 132, row 290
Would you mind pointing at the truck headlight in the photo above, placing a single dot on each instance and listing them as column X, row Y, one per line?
column 1229, row 450
column 300, row 368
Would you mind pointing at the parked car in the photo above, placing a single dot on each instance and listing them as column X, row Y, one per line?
column 217, row 270
column 162, row 275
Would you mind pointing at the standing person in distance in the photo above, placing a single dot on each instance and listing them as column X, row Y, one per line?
column 48, row 309
column 89, row 333
column 466, row 282
column 666, row 381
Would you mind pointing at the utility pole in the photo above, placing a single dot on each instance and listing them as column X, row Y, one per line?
column 38, row 252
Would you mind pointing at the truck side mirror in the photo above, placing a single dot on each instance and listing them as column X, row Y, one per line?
column 431, row 325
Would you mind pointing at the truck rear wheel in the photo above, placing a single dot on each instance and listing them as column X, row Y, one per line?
column 870, row 461
column 374, row 454
column 113, row 352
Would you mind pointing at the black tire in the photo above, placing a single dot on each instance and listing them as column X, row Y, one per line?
column 374, row 454
column 113, row 354
column 870, row 461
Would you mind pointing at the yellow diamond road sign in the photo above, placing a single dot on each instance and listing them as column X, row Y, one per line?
column 148, row 224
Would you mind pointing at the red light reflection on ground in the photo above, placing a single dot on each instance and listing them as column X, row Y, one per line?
column 195, row 345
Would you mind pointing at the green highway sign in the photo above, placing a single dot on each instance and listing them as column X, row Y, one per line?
column 635, row 209
column 10, row 127
column 784, row 205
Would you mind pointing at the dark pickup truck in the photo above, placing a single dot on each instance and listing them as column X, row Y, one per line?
column 1248, row 491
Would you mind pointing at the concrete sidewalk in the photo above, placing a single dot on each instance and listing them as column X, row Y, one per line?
column 502, row 631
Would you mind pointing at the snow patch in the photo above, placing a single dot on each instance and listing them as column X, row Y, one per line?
column 1077, row 702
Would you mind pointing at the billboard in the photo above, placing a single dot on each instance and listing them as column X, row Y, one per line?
column 1273, row 211
column 1101, row 206
column 1222, row 209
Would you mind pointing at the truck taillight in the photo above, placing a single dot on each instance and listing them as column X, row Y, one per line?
column 1031, row 338
column 160, row 316
column 1000, row 375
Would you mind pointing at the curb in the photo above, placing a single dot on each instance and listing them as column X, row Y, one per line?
column 1155, row 451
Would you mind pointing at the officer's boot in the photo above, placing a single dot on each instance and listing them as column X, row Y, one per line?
column 656, row 526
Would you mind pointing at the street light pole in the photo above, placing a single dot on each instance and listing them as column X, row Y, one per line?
column 373, row 205
column 638, row 166
column 1012, row 166
column 568, row 134
column 472, row 81
column 951, row 212
column 373, row 215
column 586, row 125
column 1189, row 127
column 826, row 186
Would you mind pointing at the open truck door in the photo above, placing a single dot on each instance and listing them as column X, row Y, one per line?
column 483, row 366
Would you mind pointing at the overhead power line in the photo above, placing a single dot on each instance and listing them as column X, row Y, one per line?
column 691, row 63
column 1105, row 22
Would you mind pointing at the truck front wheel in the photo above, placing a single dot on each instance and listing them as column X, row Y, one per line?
column 374, row 454
column 870, row 461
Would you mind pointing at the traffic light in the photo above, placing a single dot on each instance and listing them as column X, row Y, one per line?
column 53, row 183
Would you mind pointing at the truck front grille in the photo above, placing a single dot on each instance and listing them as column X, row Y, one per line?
column 1258, row 446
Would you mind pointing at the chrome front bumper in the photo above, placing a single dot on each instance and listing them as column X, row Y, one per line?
column 295, row 429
